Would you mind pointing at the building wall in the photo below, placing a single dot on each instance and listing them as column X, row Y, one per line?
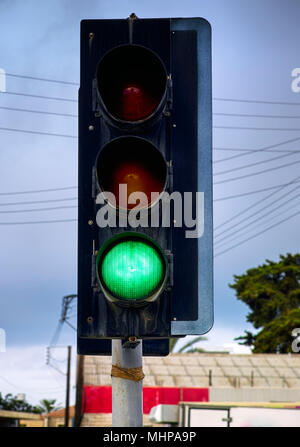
column 217, row 377
column 105, row 420
column 254, row 395
column 31, row 423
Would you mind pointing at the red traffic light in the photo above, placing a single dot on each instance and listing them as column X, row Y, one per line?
column 131, row 82
column 136, row 103
column 135, row 162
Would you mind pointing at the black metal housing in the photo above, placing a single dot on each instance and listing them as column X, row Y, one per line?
column 173, row 129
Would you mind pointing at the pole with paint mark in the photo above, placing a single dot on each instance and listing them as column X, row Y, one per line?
column 127, row 385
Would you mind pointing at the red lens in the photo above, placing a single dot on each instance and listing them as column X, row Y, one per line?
column 131, row 82
column 136, row 163
column 136, row 103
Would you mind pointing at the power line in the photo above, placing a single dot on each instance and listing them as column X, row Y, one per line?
column 75, row 198
column 74, row 136
column 38, row 133
column 245, row 151
column 256, row 128
column 278, row 189
column 39, row 222
column 232, row 149
column 56, row 369
column 265, row 222
column 38, row 201
column 250, row 152
column 257, row 173
column 29, row 95
column 253, row 164
column 39, row 209
column 235, row 196
column 246, row 115
column 45, row 390
column 39, row 111
column 61, row 386
column 215, row 113
column 257, row 234
column 38, row 190
column 58, row 360
column 258, row 101
column 40, row 79
column 69, row 324
column 56, row 334
column 215, row 98
column 31, row 390
column 75, row 187
column 9, row 383
column 224, row 239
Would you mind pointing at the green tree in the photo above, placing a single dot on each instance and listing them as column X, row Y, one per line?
column 48, row 405
column 186, row 346
column 272, row 292
column 12, row 403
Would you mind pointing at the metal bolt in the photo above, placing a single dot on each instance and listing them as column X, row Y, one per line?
column 91, row 35
column 90, row 222
column 91, row 128
column 132, row 339
column 174, row 125
column 174, row 318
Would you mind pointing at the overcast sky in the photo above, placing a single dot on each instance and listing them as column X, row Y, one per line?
column 255, row 48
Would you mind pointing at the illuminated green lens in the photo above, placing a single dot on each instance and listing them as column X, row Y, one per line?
column 132, row 270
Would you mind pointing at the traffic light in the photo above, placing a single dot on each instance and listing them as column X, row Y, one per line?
column 145, row 182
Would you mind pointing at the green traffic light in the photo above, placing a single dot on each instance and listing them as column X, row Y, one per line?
column 132, row 269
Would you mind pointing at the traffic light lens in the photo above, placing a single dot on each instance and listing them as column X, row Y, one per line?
column 132, row 269
column 136, row 163
column 135, row 103
column 131, row 82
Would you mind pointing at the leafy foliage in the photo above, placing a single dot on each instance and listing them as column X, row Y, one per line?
column 272, row 292
column 9, row 402
column 48, row 405
column 190, row 344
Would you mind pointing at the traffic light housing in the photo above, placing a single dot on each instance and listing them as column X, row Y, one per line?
column 145, row 182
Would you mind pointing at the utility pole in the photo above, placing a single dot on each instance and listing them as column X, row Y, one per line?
column 79, row 389
column 68, row 387
column 127, row 385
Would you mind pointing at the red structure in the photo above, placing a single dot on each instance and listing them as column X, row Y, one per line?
column 98, row 399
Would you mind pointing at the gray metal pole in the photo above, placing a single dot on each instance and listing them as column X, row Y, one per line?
column 68, row 387
column 127, row 395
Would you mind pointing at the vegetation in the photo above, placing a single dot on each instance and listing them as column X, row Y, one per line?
column 12, row 403
column 188, row 347
column 46, row 405
column 272, row 292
